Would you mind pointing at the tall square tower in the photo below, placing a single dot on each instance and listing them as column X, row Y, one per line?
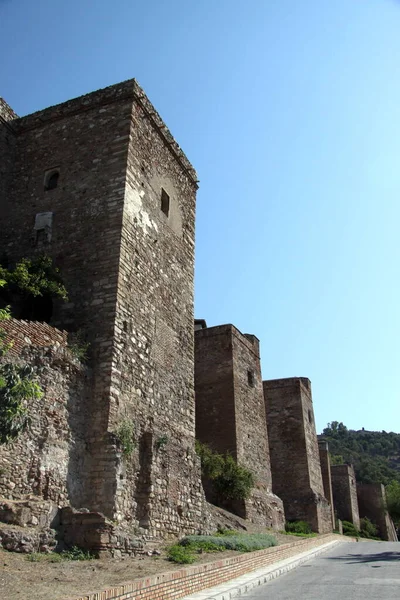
column 99, row 184
column 295, row 462
column 230, row 413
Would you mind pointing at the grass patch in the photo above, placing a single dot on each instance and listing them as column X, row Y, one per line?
column 301, row 535
column 241, row 542
column 185, row 551
column 297, row 527
column 74, row 553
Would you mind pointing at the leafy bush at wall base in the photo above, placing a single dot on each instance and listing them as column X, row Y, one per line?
column 350, row 530
column 368, row 529
column 298, row 527
column 230, row 480
column 180, row 554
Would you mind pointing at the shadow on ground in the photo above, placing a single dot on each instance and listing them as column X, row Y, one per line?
column 352, row 559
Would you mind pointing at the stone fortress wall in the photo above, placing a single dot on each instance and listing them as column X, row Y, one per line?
column 46, row 460
column 230, row 413
column 99, row 184
column 344, row 489
column 295, row 462
column 325, row 461
column 372, row 504
column 119, row 223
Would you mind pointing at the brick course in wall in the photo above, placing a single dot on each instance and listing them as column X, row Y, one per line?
column 189, row 580
column 230, row 413
column 295, row 462
column 21, row 334
column 344, row 487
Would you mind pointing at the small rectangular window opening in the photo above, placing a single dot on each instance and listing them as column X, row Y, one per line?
column 250, row 378
column 164, row 202
column 51, row 179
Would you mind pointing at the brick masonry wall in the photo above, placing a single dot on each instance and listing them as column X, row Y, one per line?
column 230, row 413
column 344, row 489
column 29, row 333
column 186, row 581
column 326, row 476
column 7, row 146
column 372, row 504
column 295, row 463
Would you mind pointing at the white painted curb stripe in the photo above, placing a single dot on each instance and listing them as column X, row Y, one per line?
column 241, row 585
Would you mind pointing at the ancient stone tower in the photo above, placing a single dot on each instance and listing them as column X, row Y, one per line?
column 99, row 184
column 325, row 461
column 295, row 463
column 372, row 504
column 230, row 412
column 344, row 489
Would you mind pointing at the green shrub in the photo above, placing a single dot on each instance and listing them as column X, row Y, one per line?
column 368, row 529
column 34, row 277
column 76, row 553
column 230, row 480
column 78, row 346
column 17, row 388
column 180, row 554
column 125, row 435
column 35, row 557
column 350, row 530
column 301, row 527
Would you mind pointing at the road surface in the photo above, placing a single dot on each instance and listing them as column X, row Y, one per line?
column 350, row 571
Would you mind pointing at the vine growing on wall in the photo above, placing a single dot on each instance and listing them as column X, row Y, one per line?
column 17, row 388
column 125, row 435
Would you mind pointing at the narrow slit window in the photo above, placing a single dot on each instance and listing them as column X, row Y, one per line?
column 164, row 202
column 250, row 378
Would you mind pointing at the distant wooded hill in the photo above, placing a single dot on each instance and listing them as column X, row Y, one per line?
column 374, row 454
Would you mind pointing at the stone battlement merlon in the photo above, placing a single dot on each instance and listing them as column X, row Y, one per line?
column 289, row 382
column 249, row 340
column 126, row 90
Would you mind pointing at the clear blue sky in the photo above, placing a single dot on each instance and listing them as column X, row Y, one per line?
column 290, row 112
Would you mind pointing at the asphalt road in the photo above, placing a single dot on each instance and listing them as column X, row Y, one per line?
column 351, row 571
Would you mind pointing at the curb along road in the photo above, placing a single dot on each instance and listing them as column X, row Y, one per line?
column 239, row 586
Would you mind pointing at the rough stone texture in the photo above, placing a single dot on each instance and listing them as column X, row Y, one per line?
column 326, row 475
column 128, row 268
column 295, row 463
column 344, row 489
column 16, row 539
column 46, row 460
column 372, row 504
column 230, row 413
column 92, row 531
column 31, row 512
column 7, row 146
